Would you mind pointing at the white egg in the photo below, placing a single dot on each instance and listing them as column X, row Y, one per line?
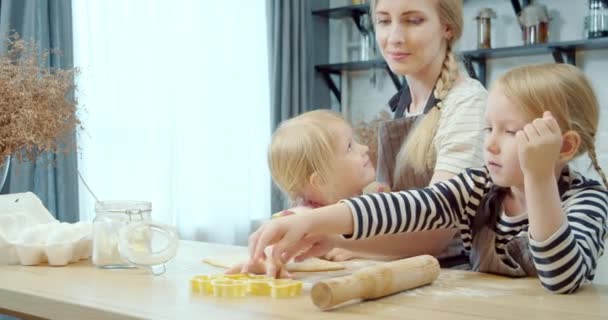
column 35, row 235
column 62, row 233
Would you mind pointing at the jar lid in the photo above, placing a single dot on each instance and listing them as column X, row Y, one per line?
column 486, row 13
column 533, row 14
column 123, row 206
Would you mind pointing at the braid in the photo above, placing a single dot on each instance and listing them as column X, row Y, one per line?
column 448, row 76
column 596, row 165
column 417, row 149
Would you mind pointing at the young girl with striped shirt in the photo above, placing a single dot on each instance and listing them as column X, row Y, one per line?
column 525, row 213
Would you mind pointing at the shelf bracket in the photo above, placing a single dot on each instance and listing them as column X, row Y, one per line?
column 331, row 84
column 517, row 6
column 559, row 53
column 480, row 74
column 357, row 20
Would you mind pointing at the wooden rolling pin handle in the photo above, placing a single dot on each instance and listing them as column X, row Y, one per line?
column 376, row 281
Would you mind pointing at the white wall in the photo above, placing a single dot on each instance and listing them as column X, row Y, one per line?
column 362, row 100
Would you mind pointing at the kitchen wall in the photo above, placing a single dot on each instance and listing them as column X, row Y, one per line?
column 365, row 93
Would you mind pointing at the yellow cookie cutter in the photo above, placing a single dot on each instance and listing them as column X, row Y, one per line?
column 239, row 285
column 202, row 284
column 285, row 288
column 224, row 287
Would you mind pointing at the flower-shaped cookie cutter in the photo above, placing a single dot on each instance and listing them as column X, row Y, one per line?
column 240, row 285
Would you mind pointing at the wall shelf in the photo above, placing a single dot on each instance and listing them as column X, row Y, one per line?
column 562, row 52
column 327, row 70
column 355, row 12
column 343, row 12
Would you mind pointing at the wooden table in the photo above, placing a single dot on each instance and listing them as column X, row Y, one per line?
column 81, row 291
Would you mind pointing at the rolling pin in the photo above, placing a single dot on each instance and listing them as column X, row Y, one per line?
column 376, row 281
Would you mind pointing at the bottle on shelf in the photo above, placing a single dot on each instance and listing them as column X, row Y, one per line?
column 597, row 20
column 484, row 28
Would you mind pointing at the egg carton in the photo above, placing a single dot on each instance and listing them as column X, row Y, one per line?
column 241, row 285
column 29, row 235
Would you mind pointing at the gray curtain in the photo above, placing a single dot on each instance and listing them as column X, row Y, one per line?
column 297, row 41
column 52, row 177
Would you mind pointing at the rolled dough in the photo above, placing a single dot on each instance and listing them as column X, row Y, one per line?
column 308, row 265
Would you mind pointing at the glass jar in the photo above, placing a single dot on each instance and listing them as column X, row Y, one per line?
column 124, row 237
column 534, row 20
column 484, row 28
column 597, row 20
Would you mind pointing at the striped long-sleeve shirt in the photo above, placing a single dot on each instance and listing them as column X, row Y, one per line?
column 564, row 261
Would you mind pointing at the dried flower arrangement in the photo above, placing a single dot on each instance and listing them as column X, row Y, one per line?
column 37, row 108
column 367, row 134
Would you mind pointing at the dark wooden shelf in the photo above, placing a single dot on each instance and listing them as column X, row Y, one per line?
column 343, row 12
column 518, row 51
column 327, row 70
column 336, row 68
column 562, row 51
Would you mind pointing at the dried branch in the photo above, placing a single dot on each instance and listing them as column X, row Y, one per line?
column 37, row 104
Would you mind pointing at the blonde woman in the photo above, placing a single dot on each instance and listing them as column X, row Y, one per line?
column 525, row 213
column 438, row 118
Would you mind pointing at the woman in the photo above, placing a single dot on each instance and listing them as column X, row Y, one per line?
column 437, row 130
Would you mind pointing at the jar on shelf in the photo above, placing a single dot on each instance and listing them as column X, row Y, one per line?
column 484, row 28
column 366, row 42
column 124, row 237
column 596, row 23
column 534, row 20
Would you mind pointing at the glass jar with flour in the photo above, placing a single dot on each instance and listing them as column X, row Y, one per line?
column 124, row 236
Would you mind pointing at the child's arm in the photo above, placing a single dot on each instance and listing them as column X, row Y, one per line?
column 409, row 244
column 566, row 239
column 539, row 144
column 441, row 206
column 568, row 257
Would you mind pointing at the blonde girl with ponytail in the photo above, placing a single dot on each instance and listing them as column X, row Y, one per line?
column 437, row 129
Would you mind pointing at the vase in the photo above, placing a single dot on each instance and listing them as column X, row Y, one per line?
column 4, row 170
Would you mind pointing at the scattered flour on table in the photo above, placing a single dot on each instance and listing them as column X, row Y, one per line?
column 454, row 284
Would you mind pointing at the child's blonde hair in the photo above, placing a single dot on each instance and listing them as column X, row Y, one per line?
column 564, row 91
column 300, row 147
column 417, row 150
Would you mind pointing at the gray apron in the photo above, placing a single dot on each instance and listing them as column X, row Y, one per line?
column 483, row 256
column 391, row 135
